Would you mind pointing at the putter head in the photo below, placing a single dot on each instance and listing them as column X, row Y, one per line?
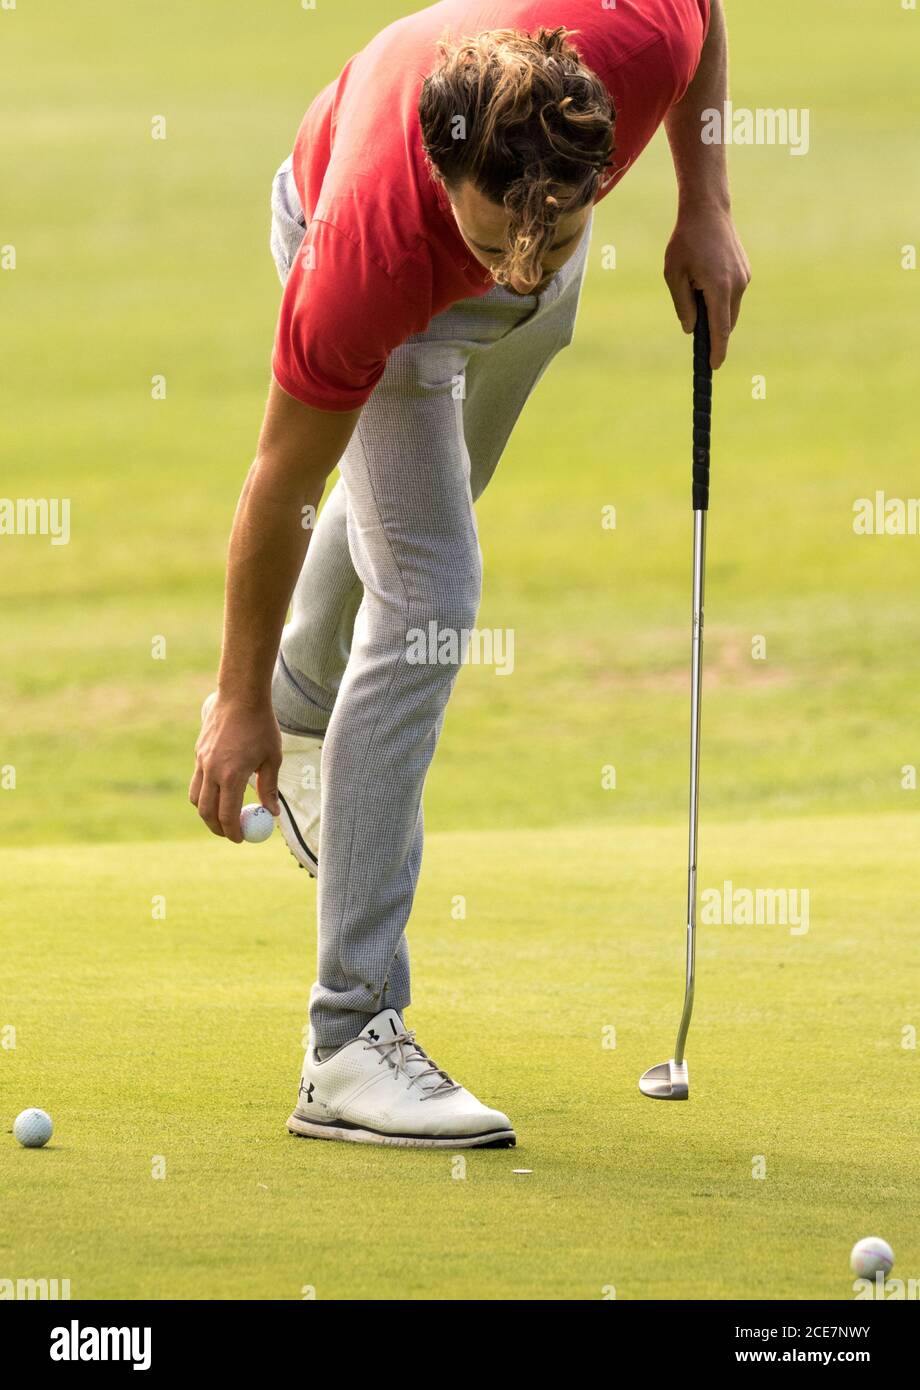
column 667, row 1081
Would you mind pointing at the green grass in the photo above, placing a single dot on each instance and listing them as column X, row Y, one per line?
column 153, row 260
column 181, row 1039
column 138, row 257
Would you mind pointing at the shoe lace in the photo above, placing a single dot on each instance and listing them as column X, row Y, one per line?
column 402, row 1052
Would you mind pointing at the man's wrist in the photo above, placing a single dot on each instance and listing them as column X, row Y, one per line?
column 244, row 692
column 692, row 202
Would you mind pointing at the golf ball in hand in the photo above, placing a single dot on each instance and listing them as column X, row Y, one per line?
column 256, row 824
column 33, row 1128
column 871, row 1256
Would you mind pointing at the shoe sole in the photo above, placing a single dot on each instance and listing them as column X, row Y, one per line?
column 355, row 1134
column 297, row 845
column 295, row 841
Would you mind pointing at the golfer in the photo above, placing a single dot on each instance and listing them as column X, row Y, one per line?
column 431, row 230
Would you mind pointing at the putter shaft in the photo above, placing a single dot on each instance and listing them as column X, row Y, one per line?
column 696, row 691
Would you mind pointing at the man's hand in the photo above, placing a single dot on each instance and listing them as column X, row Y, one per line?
column 705, row 253
column 236, row 741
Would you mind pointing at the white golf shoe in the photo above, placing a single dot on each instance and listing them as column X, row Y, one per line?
column 383, row 1089
column 298, row 792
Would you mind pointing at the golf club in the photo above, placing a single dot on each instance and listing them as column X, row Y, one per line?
column 671, row 1080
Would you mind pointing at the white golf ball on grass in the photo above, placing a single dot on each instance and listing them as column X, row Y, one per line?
column 256, row 824
column 33, row 1128
column 871, row 1256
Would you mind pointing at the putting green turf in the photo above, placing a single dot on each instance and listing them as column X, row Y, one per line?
column 137, row 258
column 180, row 1040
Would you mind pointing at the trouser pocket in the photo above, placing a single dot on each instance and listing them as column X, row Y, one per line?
column 288, row 222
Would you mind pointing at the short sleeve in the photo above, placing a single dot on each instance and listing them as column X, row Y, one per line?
column 341, row 317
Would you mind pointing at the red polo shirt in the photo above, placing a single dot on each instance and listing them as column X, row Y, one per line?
column 382, row 254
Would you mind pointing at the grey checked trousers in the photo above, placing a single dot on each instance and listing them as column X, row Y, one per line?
column 396, row 548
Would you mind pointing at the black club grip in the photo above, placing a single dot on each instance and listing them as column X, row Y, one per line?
column 702, row 406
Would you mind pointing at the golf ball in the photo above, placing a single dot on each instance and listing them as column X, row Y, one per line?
column 256, row 824
column 33, row 1128
column 871, row 1256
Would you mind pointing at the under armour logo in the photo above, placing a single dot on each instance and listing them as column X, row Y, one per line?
column 309, row 1091
column 374, row 1037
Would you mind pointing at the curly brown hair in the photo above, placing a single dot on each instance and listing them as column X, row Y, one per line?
column 523, row 118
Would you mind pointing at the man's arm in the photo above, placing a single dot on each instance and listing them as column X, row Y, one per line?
column 705, row 251
column 298, row 449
